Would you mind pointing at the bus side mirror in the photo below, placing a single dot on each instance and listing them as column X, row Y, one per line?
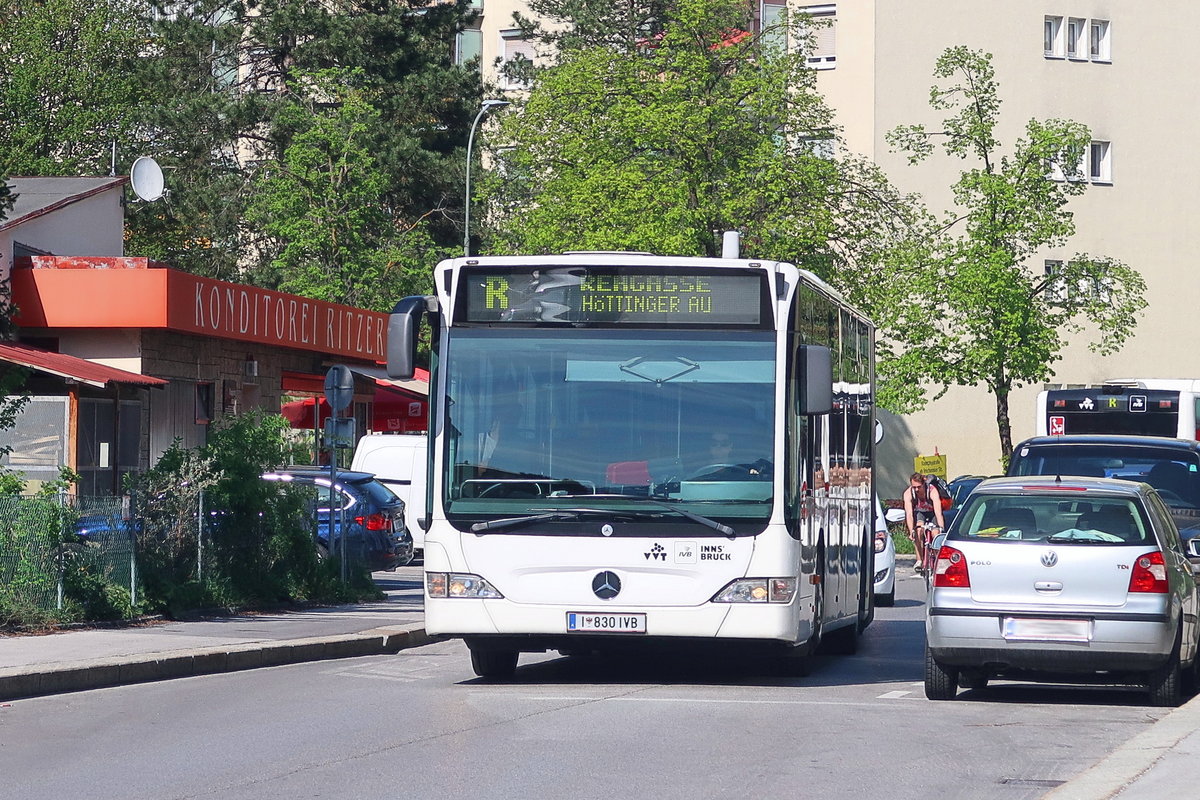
column 402, row 338
column 815, row 394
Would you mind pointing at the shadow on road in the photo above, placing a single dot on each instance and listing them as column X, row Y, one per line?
column 890, row 651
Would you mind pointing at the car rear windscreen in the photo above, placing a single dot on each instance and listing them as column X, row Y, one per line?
column 1063, row 518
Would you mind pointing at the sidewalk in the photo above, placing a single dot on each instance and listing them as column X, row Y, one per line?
column 1154, row 764
column 69, row 661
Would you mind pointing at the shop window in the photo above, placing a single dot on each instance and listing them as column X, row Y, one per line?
column 205, row 403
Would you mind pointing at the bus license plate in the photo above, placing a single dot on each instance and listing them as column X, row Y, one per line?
column 605, row 623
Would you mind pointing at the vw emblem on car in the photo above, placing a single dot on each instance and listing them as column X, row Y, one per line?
column 606, row 585
column 1049, row 558
column 607, row 529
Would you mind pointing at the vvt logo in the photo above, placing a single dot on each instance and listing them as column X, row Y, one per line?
column 657, row 553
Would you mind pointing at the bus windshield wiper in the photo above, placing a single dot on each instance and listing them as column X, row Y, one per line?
column 637, row 512
column 516, row 522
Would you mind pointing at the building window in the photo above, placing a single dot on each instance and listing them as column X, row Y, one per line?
column 1100, row 162
column 515, row 48
column 1098, row 42
column 770, row 16
column 468, row 45
column 824, row 51
column 1075, row 38
column 819, row 146
column 1055, row 291
column 1052, row 37
column 205, row 403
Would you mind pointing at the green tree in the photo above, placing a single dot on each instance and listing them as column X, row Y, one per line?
column 324, row 203
column 230, row 75
column 12, row 378
column 67, row 83
column 978, row 308
column 673, row 125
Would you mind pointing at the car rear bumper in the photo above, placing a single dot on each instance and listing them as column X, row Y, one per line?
column 1117, row 642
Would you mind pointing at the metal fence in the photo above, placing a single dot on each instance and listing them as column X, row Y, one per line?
column 55, row 550
column 41, row 538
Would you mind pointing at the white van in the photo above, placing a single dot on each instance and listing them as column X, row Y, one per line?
column 399, row 462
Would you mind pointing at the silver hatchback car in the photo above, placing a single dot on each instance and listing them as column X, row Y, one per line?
column 1063, row 578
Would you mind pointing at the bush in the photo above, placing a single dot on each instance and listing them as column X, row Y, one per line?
column 258, row 548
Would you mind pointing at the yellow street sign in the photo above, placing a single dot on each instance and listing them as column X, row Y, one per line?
column 931, row 465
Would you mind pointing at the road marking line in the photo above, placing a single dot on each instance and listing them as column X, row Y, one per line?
column 561, row 698
column 893, row 695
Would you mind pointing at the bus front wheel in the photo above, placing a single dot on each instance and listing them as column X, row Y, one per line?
column 493, row 662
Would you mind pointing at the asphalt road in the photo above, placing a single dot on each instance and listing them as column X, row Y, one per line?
column 420, row 725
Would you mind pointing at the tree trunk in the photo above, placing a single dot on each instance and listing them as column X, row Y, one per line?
column 1004, row 427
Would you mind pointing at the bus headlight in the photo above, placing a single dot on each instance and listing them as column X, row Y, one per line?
column 458, row 584
column 757, row 590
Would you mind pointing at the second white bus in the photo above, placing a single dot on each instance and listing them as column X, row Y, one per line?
column 1130, row 407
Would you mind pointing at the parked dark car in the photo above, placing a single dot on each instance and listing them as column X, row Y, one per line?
column 1172, row 466
column 374, row 515
column 960, row 488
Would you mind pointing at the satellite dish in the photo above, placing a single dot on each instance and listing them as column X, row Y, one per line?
column 146, row 178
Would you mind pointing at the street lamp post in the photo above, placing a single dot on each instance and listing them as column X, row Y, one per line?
column 488, row 107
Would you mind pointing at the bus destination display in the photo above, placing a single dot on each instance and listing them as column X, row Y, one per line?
column 599, row 295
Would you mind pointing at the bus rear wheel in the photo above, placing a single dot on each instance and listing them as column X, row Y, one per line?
column 493, row 662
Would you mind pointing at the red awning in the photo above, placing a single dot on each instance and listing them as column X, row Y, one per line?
column 300, row 412
column 398, row 411
column 71, row 367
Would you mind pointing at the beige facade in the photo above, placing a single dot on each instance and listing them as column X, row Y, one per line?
column 1136, row 94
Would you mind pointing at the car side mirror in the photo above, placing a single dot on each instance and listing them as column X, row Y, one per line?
column 1193, row 547
column 894, row 515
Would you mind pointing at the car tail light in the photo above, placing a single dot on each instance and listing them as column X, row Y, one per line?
column 1149, row 574
column 374, row 522
column 951, row 569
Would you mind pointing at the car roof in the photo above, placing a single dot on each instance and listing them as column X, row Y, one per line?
column 1066, row 483
column 311, row 473
column 1111, row 440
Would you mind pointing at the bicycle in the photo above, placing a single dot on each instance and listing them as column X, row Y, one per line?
column 929, row 532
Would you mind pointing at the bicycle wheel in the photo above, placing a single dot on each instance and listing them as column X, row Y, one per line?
column 930, row 561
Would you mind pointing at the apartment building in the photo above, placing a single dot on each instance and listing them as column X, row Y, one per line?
column 1123, row 69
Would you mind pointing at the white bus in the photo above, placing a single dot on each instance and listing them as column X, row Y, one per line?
column 629, row 450
column 1129, row 406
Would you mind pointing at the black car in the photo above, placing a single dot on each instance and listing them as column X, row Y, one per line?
column 960, row 488
column 373, row 514
column 1172, row 466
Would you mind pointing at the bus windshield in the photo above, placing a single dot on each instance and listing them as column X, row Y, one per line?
column 552, row 419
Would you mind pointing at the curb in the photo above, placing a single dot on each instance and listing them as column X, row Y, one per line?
column 74, row 676
column 1124, row 766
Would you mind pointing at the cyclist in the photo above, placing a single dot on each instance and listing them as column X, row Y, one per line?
column 922, row 506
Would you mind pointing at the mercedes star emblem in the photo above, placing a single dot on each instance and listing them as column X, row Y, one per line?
column 606, row 585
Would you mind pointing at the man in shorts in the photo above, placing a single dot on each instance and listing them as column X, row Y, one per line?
column 922, row 506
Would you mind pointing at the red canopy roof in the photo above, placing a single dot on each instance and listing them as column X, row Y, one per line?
column 71, row 367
